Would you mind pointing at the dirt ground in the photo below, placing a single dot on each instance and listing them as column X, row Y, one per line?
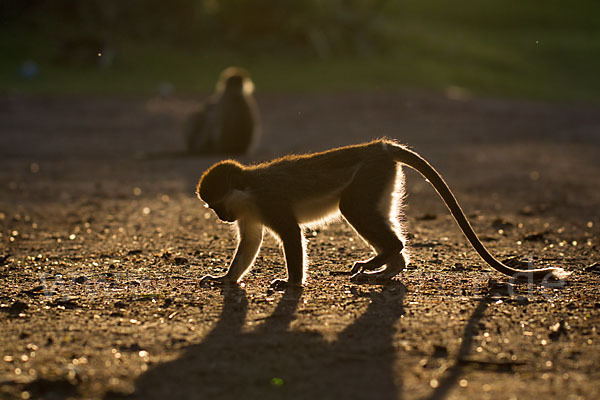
column 103, row 243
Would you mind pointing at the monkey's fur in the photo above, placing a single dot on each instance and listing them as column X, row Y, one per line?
column 228, row 123
column 362, row 182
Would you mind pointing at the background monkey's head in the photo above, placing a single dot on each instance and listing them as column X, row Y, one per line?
column 235, row 79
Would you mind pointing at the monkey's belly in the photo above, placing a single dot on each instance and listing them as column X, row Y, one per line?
column 318, row 209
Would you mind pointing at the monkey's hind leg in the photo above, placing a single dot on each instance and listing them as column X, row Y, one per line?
column 366, row 206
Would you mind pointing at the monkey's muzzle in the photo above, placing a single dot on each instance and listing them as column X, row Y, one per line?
column 223, row 216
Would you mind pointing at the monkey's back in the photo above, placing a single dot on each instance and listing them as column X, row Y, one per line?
column 291, row 179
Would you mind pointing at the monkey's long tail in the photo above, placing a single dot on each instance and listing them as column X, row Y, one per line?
column 415, row 161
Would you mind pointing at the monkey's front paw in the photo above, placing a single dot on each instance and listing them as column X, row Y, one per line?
column 210, row 280
column 280, row 285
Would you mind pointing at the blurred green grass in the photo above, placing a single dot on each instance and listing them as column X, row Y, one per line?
column 536, row 49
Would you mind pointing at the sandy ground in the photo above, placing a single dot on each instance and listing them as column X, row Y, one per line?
column 102, row 243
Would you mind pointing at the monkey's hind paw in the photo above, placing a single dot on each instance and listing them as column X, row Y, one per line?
column 357, row 268
column 375, row 278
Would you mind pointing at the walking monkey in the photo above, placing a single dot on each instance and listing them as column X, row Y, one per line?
column 363, row 182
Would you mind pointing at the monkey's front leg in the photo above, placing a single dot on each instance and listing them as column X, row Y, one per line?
column 250, row 238
column 293, row 247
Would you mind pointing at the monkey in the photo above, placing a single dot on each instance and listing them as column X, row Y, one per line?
column 362, row 183
column 228, row 123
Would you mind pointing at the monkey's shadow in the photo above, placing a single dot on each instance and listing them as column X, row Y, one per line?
column 273, row 361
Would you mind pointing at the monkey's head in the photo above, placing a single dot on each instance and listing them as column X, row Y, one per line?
column 235, row 82
column 221, row 188
column 235, row 79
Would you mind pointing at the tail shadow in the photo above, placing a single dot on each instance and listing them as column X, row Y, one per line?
column 448, row 382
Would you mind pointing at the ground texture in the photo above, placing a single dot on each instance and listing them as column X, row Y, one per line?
column 102, row 243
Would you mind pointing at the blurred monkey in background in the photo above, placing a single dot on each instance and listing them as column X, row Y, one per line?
column 228, row 123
